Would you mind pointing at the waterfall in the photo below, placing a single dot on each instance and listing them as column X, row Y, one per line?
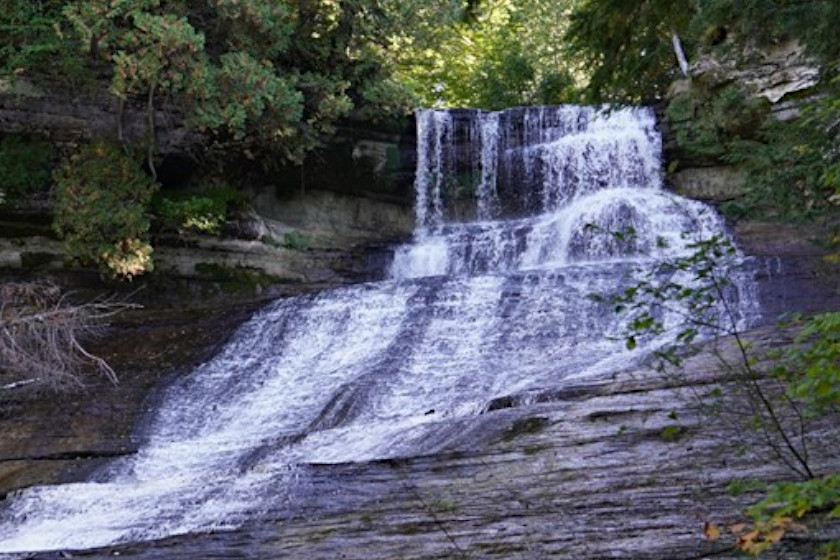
column 515, row 212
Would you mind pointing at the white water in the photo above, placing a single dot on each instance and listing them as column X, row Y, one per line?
column 473, row 310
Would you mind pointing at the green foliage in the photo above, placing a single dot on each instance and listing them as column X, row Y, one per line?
column 700, row 293
column 671, row 434
column 260, row 27
column 233, row 280
column 503, row 76
column 32, row 43
column 755, row 19
column 797, row 499
column 385, row 101
column 744, row 486
column 243, row 89
column 802, row 384
column 785, row 503
column 792, row 166
column 206, row 212
column 296, row 241
column 815, row 25
column 490, row 55
column 830, row 551
column 766, row 22
column 259, row 75
column 158, row 51
column 24, row 166
column 443, row 505
column 812, row 366
column 706, row 124
column 625, row 46
column 689, row 287
column 100, row 210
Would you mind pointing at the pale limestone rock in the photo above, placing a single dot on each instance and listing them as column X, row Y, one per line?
column 343, row 219
column 772, row 72
column 709, row 183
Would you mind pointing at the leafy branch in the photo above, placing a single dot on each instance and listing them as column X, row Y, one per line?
column 785, row 392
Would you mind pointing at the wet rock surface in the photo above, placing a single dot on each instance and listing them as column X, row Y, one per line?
column 615, row 467
column 50, row 438
column 789, row 264
column 586, row 472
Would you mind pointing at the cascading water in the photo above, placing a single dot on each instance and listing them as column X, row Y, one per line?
column 490, row 299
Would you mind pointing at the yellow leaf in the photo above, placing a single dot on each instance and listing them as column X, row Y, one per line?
column 775, row 535
column 782, row 521
column 711, row 531
column 746, row 542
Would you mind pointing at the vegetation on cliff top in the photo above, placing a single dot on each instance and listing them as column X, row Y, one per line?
column 268, row 81
column 792, row 167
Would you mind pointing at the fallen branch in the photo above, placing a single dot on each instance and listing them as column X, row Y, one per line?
column 42, row 334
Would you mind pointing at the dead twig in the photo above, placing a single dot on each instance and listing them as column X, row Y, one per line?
column 42, row 335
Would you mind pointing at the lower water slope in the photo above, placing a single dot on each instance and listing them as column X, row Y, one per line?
column 622, row 466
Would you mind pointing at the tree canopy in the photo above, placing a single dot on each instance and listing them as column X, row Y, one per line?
column 490, row 54
column 283, row 72
column 258, row 73
column 626, row 46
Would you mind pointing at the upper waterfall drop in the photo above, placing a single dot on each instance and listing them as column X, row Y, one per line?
column 542, row 186
column 529, row 160
column 517, row 216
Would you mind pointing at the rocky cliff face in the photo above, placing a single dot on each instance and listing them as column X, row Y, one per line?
column 313, row 224
column 67, row 118
column 726, row 98
column 50, row 438
column 624, row 466
column 775, row 79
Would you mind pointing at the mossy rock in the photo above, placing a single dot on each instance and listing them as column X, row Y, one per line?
column 233, row 280
column 525, row 426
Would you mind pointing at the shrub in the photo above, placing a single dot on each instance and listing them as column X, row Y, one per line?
column 32, row 44
column 204, row 213
column 24, row 166
column 100, row 211
column 296, row 241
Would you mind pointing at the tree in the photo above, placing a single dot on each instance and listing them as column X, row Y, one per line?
column 490, row 54
column 773, row 399
column 101, row 210
column 29, row 40
column 259, row 76
column 625, row 47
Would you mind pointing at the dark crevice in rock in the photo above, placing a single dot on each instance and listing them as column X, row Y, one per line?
column 73, row 455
